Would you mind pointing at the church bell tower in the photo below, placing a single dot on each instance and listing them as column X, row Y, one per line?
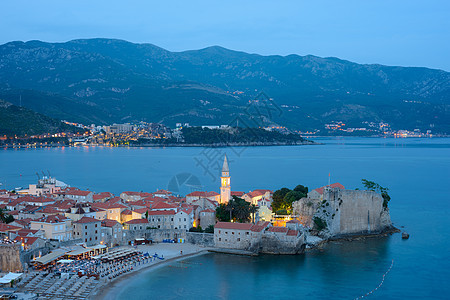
column 225, row 189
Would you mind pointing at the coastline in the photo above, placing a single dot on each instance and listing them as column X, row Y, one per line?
column 109, row 289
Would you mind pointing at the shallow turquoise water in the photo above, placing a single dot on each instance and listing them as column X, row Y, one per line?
column 417, row 171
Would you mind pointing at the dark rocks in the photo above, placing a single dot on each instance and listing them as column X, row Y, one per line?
column 405, row 235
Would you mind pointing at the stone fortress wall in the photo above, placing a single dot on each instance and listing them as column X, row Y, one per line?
column 345, row 211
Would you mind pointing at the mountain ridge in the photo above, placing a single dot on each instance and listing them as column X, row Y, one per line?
column 116, row 80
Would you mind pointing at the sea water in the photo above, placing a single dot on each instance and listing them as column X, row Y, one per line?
column 416, row 171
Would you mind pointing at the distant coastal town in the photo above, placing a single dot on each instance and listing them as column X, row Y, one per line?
column 183, row 134
column 60, row 240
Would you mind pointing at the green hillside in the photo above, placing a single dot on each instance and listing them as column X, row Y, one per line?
column 103, row 81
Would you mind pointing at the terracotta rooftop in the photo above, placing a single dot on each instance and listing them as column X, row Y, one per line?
column 5, row 227
column 78, row 193
column 292, row 232
column 334, row 185
column 137, row 221
column 230, row 225
column 278, row 229
column 109, row 223
column 51, row 219
column 84, row 220
column 161, row 212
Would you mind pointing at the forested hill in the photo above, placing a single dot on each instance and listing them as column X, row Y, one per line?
column 20, row 121
column 103, row 81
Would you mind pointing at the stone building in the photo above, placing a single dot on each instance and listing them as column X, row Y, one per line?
column 259, row 238
column 207, row 217
column 88, row 229
column 136, row 224
column 56, row 227
column 111, row 233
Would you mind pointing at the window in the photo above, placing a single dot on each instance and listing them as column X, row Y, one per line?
column 85, row 233
column 172, row 219
column 96, row 231
column 220, row 239
column 232, row 232
column 103, row 234
column 90, row 239
column 95, row 225
column 85, row 240
column 247, row 232
column 85, row 227
column 95, row 238
column 219, row 231
column 185, row 219
column 239, row 239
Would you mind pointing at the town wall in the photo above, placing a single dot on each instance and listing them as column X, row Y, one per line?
column 197, row 238
column 10, row 258
column 157, row 235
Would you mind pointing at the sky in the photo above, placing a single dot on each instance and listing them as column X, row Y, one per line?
column 389, row 32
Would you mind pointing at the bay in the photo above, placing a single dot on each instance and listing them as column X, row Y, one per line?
column 417, row 172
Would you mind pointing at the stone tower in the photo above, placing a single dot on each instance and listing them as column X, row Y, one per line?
column 225, row 189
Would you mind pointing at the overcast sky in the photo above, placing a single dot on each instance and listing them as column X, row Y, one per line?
column 390, row 32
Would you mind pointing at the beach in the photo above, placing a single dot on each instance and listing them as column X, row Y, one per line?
column 109, row 289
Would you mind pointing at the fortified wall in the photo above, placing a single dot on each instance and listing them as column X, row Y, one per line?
column 10, row 258
column 345, row 211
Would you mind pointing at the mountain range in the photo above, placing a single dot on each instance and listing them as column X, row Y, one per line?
column 104, row 81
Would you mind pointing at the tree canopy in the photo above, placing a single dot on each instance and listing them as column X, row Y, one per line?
column 372, row 186
column 284, row 197
column 237, row 209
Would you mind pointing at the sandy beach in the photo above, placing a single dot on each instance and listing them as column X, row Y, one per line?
column 109, row 289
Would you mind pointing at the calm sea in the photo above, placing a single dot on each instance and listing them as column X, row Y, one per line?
column 417, row 172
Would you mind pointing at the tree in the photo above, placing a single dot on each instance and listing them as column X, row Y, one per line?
column 5, row 218
column 222, row 214
column 278, row 198
column 291, row 197
column 209, row 229
column 372, row 186
column 302, row 189
column 236, row 209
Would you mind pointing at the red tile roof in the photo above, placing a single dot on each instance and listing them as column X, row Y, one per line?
column 292, row 232
column 260, row 226
column 141, row 210
column 29, row 240
column 162, row 192
column 109, row 223
column 51, row 219
column 78, row 193
column 126, row 212
column 334, row 185
column 25, row 232
column 230, row 225
column 161, row 212
column 137, row 221
column 209, row 210
column 5, row 227
column 278, row 229
column 84, row 220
